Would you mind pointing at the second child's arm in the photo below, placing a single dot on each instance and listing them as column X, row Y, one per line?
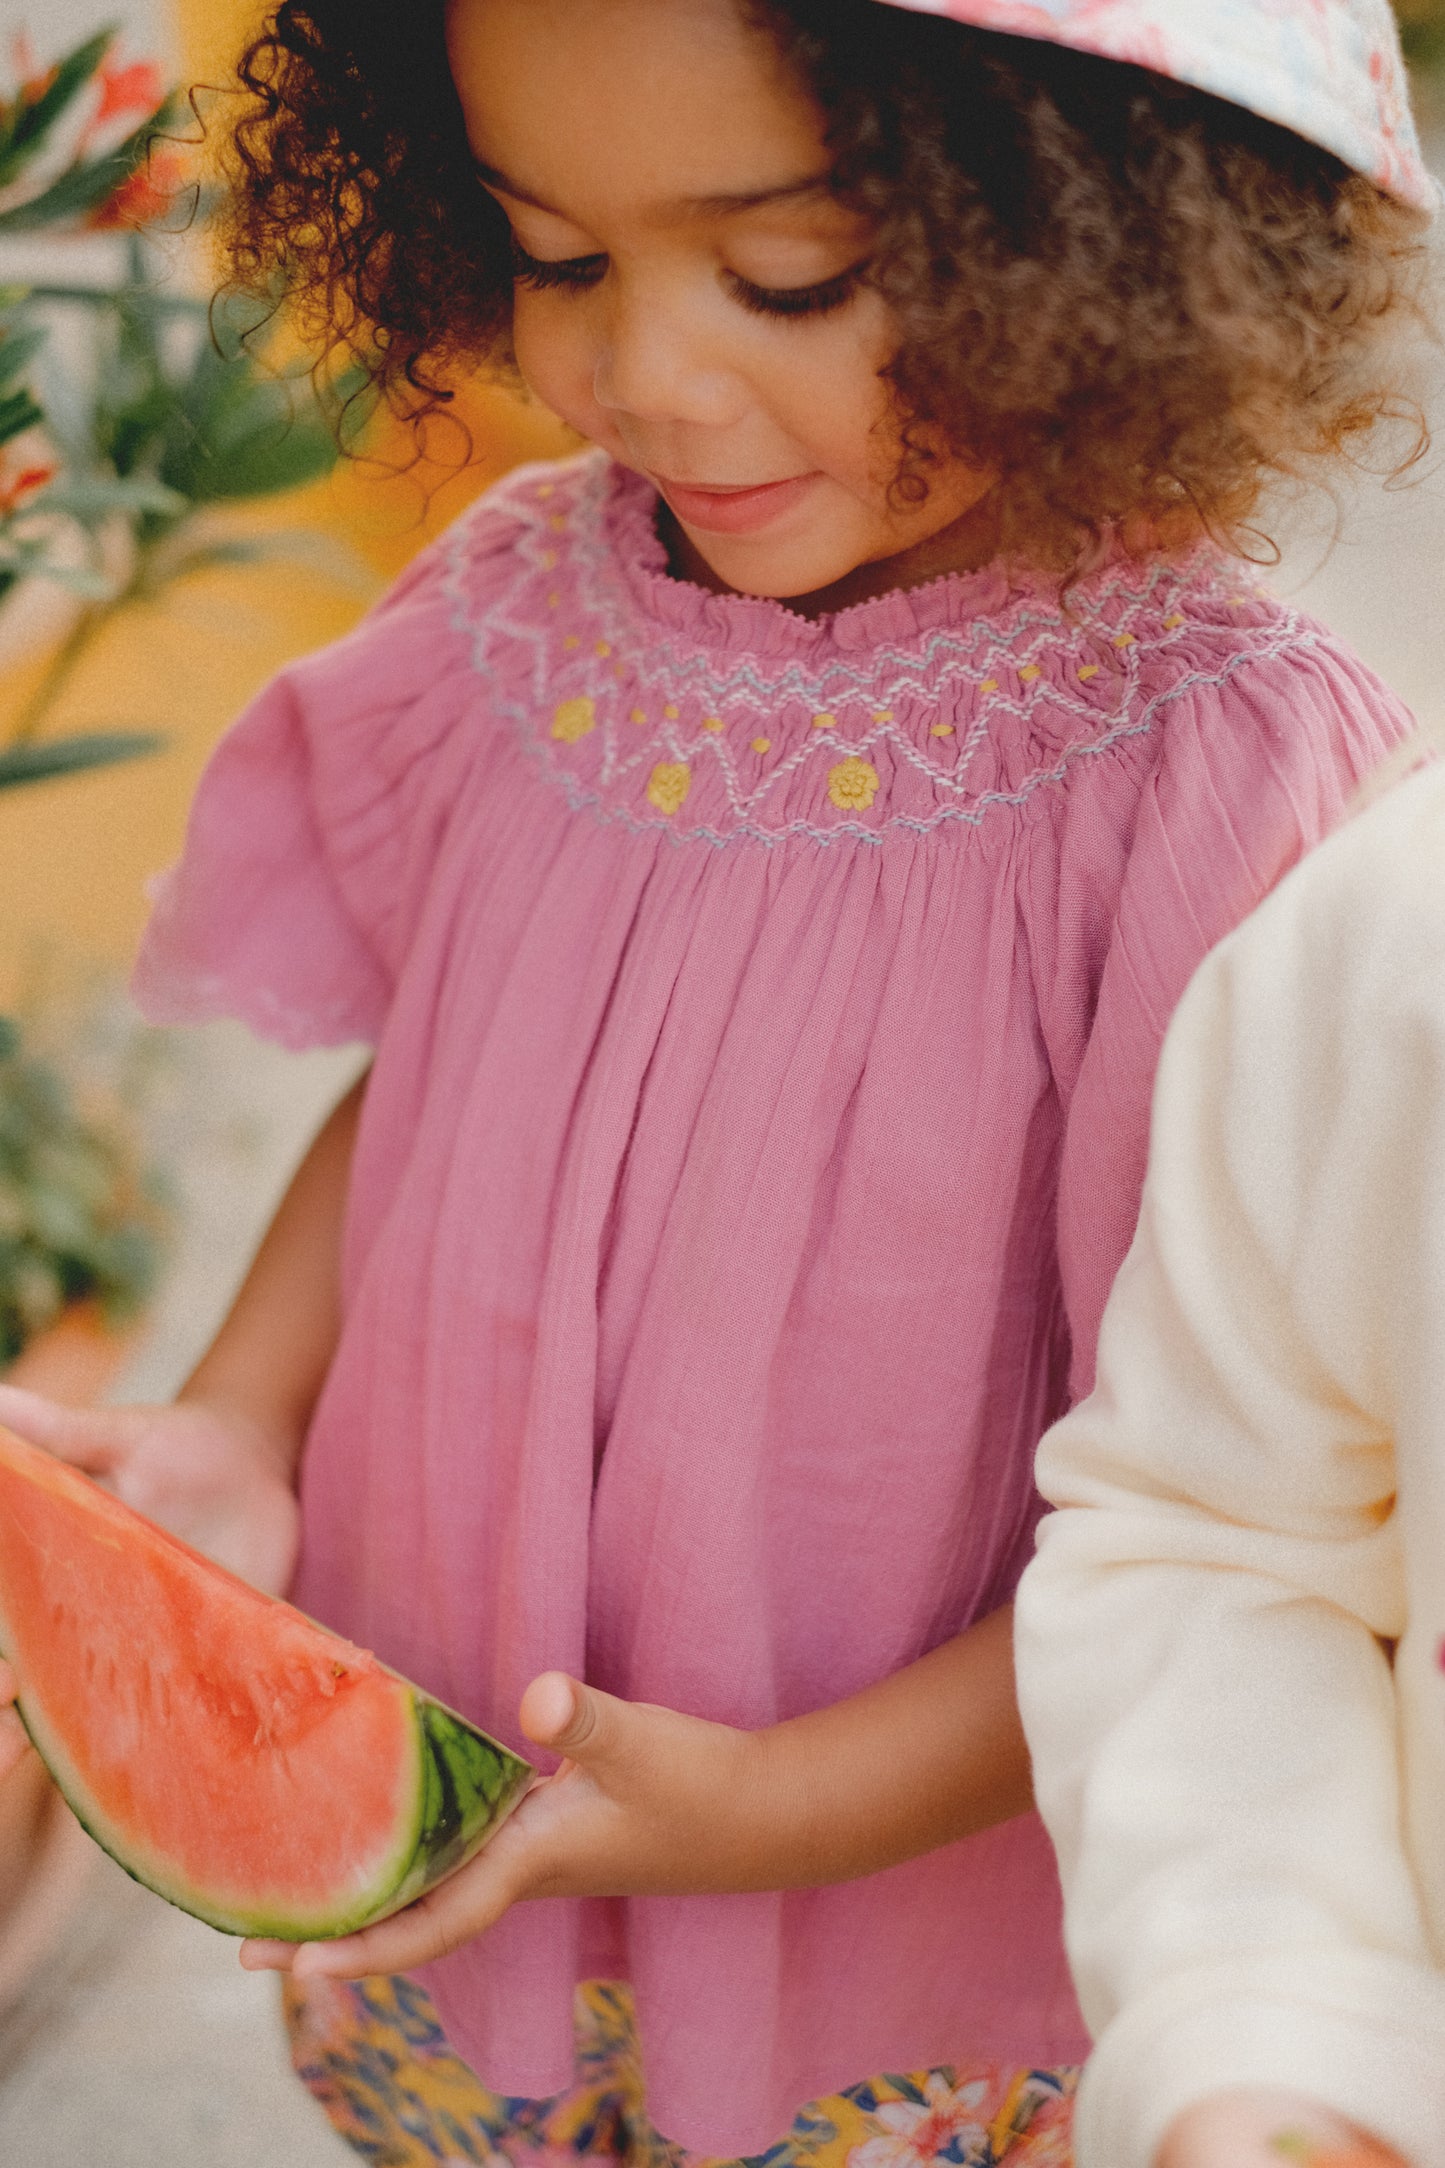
column 1205, row 1637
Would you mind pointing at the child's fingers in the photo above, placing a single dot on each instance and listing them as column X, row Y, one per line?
column 260, row 1954
column 1250, row 2129
column 454, row 1912
column 611, row 1738
column 90, row 1439
column 14, row 1741
column 1364, row 2155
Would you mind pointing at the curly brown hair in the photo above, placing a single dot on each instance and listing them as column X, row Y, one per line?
column 1135, row 303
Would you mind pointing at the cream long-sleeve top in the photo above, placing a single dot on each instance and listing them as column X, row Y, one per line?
column 1230, row 1640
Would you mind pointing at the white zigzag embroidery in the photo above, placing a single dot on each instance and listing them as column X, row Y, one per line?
column 1127, row 620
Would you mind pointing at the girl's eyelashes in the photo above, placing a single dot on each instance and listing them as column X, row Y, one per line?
column 570, row 272
column 819, row 300
column 575, row 274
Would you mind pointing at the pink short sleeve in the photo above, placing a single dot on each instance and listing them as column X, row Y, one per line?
column 1247, row 776
column 312, row 832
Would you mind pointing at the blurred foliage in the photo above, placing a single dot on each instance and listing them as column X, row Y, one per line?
column 132, row 419
column 175, row 419
column 114, row 466
column 51, row 107
column 78, row 1222
column 1422, row 29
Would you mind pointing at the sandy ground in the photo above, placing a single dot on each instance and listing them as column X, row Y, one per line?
column 151, row 2049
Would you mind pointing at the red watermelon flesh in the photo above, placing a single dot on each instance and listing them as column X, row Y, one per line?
column 241, row 1760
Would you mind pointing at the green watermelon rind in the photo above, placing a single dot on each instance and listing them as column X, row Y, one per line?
column 467, row 1785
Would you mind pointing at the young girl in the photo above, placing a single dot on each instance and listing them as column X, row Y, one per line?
column 764, row 854
column 1231, row 1641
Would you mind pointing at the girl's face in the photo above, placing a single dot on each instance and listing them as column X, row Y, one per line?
column 687, row 289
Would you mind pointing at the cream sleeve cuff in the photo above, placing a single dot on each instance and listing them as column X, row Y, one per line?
column 1361, row 2032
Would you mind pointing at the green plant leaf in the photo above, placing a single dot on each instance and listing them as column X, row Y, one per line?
column 85, row 187
column 278, row 457
column 82, row 580
column 32, row 119
column 212, row 556
column 18, row 412
column 90, row 498
column 21, row 764
column 18, row 348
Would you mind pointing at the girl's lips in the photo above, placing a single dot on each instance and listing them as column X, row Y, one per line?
column 734, row 511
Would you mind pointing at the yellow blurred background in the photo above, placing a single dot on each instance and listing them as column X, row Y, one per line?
column 77, row 854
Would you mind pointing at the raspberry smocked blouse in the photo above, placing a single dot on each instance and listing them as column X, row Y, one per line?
column 765, row 1014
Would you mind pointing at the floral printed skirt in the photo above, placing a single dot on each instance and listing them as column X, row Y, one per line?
column 374, row 2055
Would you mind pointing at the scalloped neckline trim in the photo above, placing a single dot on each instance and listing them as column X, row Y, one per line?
column 627, row 505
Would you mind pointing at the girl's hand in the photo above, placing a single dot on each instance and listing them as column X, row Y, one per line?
column 14, row 1739
column 212, row 1477
column 646, row 1802
column 1268, row 2130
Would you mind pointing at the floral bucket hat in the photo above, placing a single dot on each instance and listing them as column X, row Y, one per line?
column 1331, row 70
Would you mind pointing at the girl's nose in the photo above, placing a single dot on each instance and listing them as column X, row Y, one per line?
column 659, row 364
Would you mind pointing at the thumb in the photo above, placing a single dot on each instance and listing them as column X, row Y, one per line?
column 573, row 1720
column 90, row 1438
column 14, row 1742
column 14, row 1739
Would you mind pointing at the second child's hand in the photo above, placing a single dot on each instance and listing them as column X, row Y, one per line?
column 1249, row 2129
column 212, row 1477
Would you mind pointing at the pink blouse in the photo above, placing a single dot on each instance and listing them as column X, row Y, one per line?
column 765, row 1014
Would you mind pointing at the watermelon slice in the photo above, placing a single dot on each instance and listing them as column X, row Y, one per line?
column 240, row 1760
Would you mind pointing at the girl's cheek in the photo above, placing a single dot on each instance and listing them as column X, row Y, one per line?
column 557, row 360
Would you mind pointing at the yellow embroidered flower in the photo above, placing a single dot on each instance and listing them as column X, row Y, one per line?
column 604, row 649
column 825, row 722
column 713, row 723
column 668, row 785
column 573, row 720
column 853, row 784
column 639, row 715
column 762, row 745
column 1029, row 672
column 940, row 730
column 1124, row 639
column 1088, row 670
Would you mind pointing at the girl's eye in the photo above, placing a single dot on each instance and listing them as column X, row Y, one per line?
column 571, row 273
column 817, row 300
